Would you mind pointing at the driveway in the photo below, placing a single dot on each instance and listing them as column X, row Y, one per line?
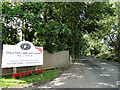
column 87, row 72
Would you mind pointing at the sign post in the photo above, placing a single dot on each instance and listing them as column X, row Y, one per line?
column 14, row 70
column 22, row 54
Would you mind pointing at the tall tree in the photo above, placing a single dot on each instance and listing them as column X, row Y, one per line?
column 56, row 26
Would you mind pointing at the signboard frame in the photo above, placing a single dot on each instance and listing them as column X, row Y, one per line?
column 21, row 55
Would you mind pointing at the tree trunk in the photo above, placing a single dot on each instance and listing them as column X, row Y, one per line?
column 73, row 56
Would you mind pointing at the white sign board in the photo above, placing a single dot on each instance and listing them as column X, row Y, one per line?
column 22, row 54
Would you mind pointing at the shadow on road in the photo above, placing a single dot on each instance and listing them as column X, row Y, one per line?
column 87, row 72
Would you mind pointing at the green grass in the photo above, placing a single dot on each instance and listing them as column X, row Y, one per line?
column 11, row 82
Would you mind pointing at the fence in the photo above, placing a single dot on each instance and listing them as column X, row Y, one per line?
column 58, row 59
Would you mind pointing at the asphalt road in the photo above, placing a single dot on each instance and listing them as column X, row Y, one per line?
column 87, row 73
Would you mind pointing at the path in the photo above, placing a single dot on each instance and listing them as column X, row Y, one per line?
column 87, row 73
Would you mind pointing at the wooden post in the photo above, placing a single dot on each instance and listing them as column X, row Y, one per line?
column 35, row 68
column 14, row 70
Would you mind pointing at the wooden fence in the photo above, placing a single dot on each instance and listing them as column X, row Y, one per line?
column 58, row 59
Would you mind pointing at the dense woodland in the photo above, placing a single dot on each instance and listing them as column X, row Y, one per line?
column 83, row 28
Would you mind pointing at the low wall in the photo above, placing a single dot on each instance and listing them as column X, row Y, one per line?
column 58, row 59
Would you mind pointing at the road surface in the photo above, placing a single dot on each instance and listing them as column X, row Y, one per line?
column 87, row 72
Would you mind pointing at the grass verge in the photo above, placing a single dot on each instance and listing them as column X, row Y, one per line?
column 47, row 75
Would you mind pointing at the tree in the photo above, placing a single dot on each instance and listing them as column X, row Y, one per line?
column 56, row 26
column 79, row 18
column 25, row 17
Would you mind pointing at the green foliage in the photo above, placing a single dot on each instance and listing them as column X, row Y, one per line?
column 56, row 38
column 60, row 26
column 25, row 17
column 108, row 56
column 9, row 35
column 110, row 32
